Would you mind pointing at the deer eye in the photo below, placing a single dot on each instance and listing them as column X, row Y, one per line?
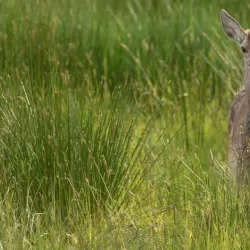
column 243, row 49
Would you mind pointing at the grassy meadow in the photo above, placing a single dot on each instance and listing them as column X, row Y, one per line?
column 113, row 127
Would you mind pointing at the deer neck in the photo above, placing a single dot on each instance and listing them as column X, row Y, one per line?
column 247, row 80
column 247, row 96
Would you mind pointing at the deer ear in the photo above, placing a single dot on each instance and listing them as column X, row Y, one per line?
column 231, row 27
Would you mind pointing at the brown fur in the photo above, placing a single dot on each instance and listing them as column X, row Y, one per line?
column 239, row 121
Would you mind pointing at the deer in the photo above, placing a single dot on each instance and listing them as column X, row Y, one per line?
column 239, row 118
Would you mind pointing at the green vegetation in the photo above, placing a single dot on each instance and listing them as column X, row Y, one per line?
column 113, row 127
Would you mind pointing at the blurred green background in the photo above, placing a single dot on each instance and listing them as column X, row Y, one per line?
column 114, row 125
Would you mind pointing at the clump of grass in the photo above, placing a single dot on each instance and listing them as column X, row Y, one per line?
column 58, row 150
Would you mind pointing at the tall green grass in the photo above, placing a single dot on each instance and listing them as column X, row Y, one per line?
column 113, row 127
